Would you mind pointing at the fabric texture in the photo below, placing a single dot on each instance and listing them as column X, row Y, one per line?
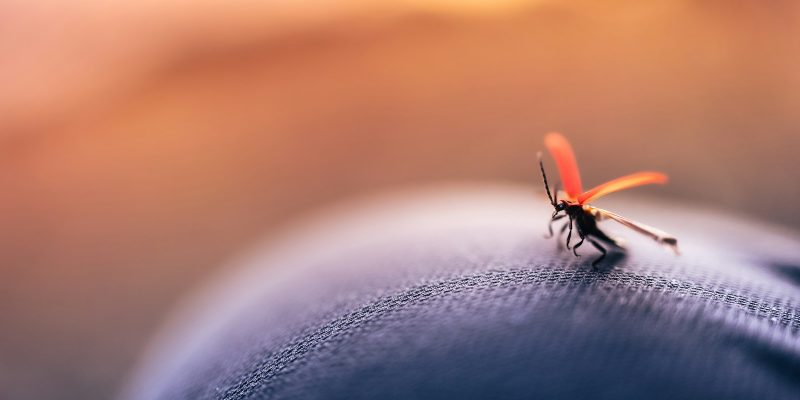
column 455, row 294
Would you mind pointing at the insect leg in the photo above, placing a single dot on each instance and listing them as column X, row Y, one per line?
column 575, row 248
column 561, row 234
column 563, row 229
column 550, row 225
column 569, row 235
column 602, row 250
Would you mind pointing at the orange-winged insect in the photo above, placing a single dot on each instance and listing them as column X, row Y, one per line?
column 584, row 216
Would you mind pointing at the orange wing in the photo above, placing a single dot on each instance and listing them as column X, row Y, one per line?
column 561, row 151
column 625, row 182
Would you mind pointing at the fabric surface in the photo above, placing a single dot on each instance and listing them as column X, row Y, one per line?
column 454, row 293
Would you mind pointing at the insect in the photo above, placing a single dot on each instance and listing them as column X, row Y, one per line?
column 585, row 217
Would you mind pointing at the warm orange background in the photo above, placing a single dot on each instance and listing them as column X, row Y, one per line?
column 143, row 145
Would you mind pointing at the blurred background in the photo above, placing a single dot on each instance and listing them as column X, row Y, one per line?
column 143, row 144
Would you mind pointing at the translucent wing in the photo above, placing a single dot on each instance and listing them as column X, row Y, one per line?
column 562, row 152
column 661, row 237
column 625, row 182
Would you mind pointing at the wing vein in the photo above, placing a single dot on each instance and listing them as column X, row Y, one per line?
column 661, row 237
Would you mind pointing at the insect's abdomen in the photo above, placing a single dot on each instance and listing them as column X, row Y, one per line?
column 587, row 223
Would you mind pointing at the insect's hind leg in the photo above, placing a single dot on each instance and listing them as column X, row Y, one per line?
column 602, row 250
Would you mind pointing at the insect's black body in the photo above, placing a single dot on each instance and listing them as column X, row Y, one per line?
column 585, row 223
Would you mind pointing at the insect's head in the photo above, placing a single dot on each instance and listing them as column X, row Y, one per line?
column 559, row 207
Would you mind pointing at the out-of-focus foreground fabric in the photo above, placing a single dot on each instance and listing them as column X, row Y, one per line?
column 452, row 293
column 144, row 143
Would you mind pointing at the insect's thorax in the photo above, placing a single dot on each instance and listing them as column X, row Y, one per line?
column 574, row 210
column 586, row 221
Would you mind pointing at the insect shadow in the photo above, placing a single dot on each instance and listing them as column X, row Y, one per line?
column 612, row 259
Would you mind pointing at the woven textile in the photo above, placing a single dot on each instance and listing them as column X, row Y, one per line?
column 455, row 294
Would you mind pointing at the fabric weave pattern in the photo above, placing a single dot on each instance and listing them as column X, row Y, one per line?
column 475, row 305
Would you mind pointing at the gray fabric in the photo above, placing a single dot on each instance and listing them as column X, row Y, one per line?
column 455, row 294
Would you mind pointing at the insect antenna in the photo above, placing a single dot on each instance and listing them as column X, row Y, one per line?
column 544, row 177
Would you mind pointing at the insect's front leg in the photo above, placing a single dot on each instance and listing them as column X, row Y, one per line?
column 561, row 234
column 550, row 225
